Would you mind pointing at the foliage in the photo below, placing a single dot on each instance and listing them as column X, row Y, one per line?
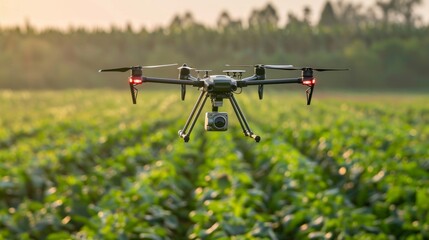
column 90, row 165
column 385, row 46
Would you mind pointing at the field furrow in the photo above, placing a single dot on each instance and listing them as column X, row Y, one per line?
column 91, row 165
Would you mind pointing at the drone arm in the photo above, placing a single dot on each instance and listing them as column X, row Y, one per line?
column 268, row 81
column 173, row 81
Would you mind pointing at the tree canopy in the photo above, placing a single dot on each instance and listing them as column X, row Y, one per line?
column 386, row 45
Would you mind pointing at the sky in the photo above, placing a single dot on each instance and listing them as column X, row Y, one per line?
column 147, row 13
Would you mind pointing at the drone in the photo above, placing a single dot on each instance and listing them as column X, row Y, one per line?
column 220, row 87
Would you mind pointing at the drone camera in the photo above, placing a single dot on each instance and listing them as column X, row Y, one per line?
column 216, row 121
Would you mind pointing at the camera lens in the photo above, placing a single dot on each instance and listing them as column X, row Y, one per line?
column 220, row 122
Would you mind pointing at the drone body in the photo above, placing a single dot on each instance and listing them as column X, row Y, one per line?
column 218, row 88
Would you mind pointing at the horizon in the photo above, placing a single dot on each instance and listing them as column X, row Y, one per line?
column 103, row 14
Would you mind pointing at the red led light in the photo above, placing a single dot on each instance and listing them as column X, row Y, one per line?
column 310, row 82
column 135, row 80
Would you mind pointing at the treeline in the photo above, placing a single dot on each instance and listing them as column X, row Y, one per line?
column 385, row 46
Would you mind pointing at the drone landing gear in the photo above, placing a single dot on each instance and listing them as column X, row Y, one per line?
column 193, row 117
column 243, row 122
column 185, row 132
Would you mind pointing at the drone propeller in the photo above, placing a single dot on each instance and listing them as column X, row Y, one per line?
column 124, row 69
column 308, row 79
column 277, row 66
column 234, row 71
column 184, row 74
column 136, row 76
column 309, row 68
column 267, row 66
column 260, row 73
column 330, row 69
column 239, row 65
column 159, row 66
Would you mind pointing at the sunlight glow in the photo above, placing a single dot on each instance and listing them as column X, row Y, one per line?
column 150, row 14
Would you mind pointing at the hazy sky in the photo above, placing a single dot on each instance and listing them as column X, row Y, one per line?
column 103, row 13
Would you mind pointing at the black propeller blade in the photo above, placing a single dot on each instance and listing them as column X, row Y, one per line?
column 267, row 66
column 309, row 68
column 330, row 69
column 124, row 69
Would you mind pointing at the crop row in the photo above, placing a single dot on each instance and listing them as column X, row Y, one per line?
column 93, row 166
column 54, row 174
column 375, row 156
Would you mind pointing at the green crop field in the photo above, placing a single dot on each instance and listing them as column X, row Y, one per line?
column 90, row 165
